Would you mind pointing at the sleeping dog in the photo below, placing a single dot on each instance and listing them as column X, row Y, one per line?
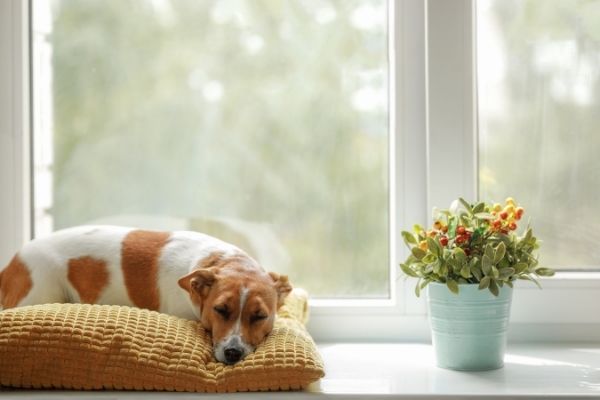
column 187, row 274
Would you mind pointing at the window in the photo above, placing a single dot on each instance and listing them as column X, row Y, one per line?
column 262, row 123
column 539, row 112
column 443, row 128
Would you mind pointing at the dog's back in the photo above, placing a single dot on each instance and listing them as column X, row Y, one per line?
column 107, row 265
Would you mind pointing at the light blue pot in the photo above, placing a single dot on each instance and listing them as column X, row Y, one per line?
column 469, row 329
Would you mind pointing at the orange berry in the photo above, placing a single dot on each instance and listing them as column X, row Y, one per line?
column 437, row 225
column 431, row 234
column 444, row 241
column 460, row 230
column 512, row 226
column 503, row 215
column 519, row 211
column 497, row 224
column 445, row 228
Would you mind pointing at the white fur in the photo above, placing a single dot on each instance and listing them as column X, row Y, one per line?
column 47, row 260
column 234, row 337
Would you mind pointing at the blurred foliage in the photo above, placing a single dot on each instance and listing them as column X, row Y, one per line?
column 539, row 123
column 235, row 109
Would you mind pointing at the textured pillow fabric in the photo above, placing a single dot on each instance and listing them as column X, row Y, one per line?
column 82, row 346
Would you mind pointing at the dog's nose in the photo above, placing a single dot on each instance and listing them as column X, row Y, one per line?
column 232, row 355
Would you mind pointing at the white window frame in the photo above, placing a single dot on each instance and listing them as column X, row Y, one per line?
column 15, row 194
column 432, row 113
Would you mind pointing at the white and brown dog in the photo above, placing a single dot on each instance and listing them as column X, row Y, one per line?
column 224, row 288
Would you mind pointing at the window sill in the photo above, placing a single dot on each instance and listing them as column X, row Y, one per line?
column 409, row 371
column 377, row 371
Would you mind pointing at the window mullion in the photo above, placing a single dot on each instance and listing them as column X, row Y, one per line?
column 451, row 110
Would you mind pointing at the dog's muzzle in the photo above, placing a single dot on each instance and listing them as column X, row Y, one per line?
column 232, row 350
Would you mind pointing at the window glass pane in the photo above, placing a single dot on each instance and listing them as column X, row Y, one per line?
column 264, row 123
column 539, row 114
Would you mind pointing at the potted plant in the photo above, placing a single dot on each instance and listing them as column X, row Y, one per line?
column 469, row 260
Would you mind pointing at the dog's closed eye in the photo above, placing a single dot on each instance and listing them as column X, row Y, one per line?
column 257, row 317
column 223, row 311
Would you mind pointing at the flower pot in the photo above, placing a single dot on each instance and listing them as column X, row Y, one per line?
column 469, row 328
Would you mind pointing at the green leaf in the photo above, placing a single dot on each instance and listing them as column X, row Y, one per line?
column 528, row 236
column 454, row 264
column 418, row 289
column 464, row 219
column 484, row 215
column 499, row 253
column 436, row 267
column 429, row 258
column 506, row 273
column 443, row 269
column 520, row 267
column 417, row 228
column 477, row 273
column 418, row 253
column 465, row 272
column 480, row 207
column 486, row 265
column 489, row 252
column 409, row 238
column 477, row 234
column 485, row 283
column 495, row 272
column 494, row 288
column 452, row 285
column 434, row 247
column 466, row 205
column 460, row 254
column 544, row 271
column 408, row 271
column 509, row 283
column 452, row 227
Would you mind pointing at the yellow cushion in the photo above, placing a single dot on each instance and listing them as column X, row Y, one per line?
column 81, row 346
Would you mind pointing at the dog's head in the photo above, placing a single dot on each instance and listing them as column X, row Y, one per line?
column 236, row 301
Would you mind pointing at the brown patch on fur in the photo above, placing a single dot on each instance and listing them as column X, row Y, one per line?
column 15, row 283
column 89, row 277
column 213, row 260
column 260, row 302
column 139, row 261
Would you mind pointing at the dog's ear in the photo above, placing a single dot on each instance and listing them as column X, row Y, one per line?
column 282, row 286
column 198, row 281
column 201, row 279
